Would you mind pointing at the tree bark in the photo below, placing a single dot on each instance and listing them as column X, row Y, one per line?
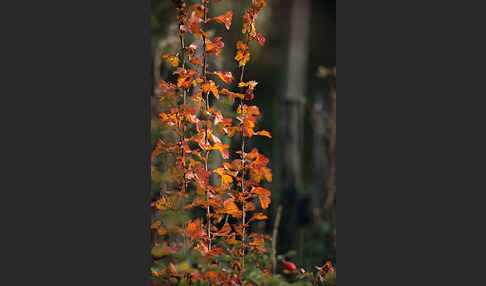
column 291, row 131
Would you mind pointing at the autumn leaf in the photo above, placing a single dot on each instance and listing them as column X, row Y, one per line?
column 191, row 50
column 232, row 239
column 222, row 148
column 193, row 25
column 161, row 231
column 241, row 46
column 267, row 173
column 289, row 265
column 185, row 77
column 214, row 47
column 194, row 229
column 257, row 5
column 264, row 133
column 264, row 201
column 258, row 216
column 263, row 196
column 249, row 206
column 227, row 77
column 210, row 86
column 231, row 95
column 231, row 208
column 260, row 39
column 225, row 179
column 259, row 243
column 224, row 231
column 198, row 9
column 249, row 24
column 261, row 191
column 172, row 59
column 225, row 18
column 155, row 225
column 202, row 175
column 196, row 61
column 242, row 57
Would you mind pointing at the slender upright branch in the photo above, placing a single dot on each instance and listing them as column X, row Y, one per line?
column 242, row 73
column 274, row 239
column 205, row 5
column 183, row 55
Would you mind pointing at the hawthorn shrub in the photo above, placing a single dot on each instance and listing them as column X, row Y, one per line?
column 207, row 201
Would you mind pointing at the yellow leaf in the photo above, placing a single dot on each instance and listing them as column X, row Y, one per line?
column 155, row 225
column 173, row 60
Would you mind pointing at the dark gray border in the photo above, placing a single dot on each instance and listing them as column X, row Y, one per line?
column 76, row 89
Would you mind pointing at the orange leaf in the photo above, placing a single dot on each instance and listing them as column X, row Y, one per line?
column 161, row 231
column 194, row 229
column 258, row 4
column 225, row 179
column 261, row 191
column 225, row 18
column 210, row 87
column 222, row 148
column 259, row 216
column 214, row 47
column 227, row 77
column 155, row 225
column 224, row 231
column 264, row 201
column 231, row 208
column 241, row 46
column 264, row 133
column 263, row 196
column 267, row 173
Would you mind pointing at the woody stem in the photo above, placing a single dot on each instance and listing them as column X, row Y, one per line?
column 204, row 2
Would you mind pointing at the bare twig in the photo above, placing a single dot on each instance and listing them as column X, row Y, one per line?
column 274, row 239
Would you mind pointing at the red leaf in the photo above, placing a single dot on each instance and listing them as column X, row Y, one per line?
column 260, row 39
column 289, row 265
column 196, row 61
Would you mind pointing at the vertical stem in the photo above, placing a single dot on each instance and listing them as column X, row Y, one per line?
column 274, row 239
column 243, row 231
column 243, row 172
column 183, row 55
column 205, row 4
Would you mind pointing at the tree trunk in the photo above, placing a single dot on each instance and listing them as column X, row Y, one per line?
column 291, row 131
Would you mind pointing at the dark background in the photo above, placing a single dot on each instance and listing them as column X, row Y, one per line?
column 76, row 84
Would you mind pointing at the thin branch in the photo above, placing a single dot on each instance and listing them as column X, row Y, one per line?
column 274, row 239
column 205, row 4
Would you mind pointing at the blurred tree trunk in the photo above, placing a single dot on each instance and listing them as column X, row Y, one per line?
column 319, row 127
column 329, row 140
column 330, row 200
column 291, row 119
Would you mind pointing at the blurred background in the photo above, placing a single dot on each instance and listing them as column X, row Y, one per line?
column 297, row 96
